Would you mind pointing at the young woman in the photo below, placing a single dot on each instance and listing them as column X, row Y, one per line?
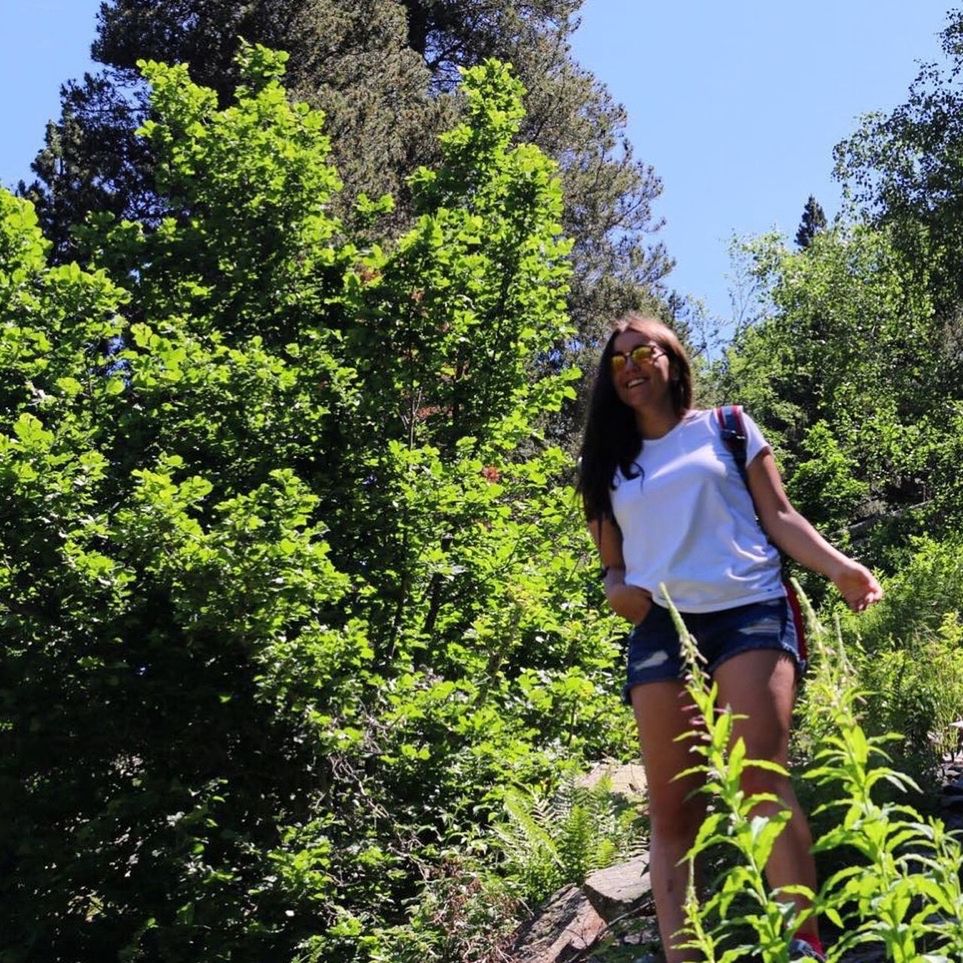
column 666, row 503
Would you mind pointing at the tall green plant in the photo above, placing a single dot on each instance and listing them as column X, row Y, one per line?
column 735, row 825
column 905, row 891
column 900, row 886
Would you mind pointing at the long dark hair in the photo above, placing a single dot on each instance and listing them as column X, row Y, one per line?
column 611, row 439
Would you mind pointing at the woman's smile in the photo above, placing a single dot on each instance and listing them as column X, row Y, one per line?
column 636, row 373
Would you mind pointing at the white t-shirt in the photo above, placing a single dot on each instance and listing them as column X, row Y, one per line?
column 688, row 520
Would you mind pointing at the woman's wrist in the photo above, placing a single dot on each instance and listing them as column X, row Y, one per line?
column 629, row 601
column 841, row 567
column 613, row 576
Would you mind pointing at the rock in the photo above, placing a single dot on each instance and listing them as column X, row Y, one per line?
column 634, row 938
column 627, row 780
column 574, row 920
column 953, row 822
column 958, row 726
column 565, row 929
column 621, row 889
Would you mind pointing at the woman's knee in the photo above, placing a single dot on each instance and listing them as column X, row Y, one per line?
column 672, row 816
column 756, row 781
column 768, row 741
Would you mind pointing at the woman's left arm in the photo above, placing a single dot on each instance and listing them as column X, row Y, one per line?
column 798, row 539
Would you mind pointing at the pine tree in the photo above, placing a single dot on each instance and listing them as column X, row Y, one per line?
column 348, row 60
column 386, row 75
column 813, row 221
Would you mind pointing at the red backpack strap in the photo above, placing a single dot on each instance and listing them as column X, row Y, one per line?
column 797, row 617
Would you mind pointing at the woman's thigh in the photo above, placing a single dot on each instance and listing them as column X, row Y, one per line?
column 760, row 686
column 663, row 713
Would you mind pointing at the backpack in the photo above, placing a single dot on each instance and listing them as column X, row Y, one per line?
column 733, row 432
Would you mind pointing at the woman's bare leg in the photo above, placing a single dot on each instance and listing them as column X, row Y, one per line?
column 761, row 685
column 663, row 712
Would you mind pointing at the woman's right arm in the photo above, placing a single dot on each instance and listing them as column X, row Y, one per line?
column 791, row 532
column 629, row 601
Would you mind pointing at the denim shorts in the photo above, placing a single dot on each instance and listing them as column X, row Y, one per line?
column 654, row 652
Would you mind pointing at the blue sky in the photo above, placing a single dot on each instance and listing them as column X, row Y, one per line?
column 736, row 105
column 42, row 44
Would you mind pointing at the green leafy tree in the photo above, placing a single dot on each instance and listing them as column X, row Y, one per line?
column 847, row 372
column 291, row 589
column 903, row 169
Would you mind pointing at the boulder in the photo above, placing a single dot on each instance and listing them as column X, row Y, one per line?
column 628, row 779
column 621, row 889
column 565, row 928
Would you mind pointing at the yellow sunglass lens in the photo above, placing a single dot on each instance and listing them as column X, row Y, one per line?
column 642, row 352
column 639, row 354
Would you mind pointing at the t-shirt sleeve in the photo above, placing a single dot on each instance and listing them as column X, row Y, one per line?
column 755, row 443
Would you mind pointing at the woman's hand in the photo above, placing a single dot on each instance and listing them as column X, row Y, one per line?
column 857, row 585
column 798, row 539
column 629, row 601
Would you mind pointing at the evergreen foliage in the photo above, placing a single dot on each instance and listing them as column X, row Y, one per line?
column 386, row 75
column 813, row 221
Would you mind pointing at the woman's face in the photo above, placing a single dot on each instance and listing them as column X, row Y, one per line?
column 641, row 382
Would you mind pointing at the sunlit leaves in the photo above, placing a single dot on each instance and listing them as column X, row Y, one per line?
column 293, row 588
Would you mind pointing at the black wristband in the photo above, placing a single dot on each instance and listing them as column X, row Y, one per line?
column 605, row 571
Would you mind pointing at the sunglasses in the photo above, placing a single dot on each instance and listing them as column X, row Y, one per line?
column 640, row 354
